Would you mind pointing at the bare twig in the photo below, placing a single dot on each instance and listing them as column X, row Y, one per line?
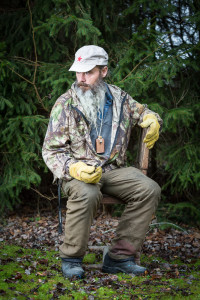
column 34, row 44
column 182, row 96
column 43, row 196
column 137, row 66
column 19, row 75
column 19, row 58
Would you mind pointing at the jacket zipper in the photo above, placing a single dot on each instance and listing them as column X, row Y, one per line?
column 80, row 112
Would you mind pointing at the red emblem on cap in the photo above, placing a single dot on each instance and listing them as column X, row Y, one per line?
column 79, row 58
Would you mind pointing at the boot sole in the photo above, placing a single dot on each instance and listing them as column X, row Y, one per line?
column 76, row 276
column 112, row 270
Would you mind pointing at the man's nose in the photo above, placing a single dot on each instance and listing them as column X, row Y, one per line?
column 82, row 77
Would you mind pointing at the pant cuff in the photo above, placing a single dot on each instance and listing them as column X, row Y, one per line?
column 73, row 259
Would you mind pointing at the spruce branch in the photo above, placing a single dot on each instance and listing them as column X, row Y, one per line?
column 36, row 59
column 140, row 62
column 35, row 71
column 170, row 224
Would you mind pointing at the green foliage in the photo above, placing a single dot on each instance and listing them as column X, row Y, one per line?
column 182, row 212
column 154, row 56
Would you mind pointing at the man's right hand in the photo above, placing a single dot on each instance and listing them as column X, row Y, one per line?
column 85, row 173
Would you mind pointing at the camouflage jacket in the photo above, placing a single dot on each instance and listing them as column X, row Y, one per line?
column 68, row 141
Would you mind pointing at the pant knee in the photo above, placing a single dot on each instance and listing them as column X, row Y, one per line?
column 84, row 196
column 91, row 197
column 151, row 188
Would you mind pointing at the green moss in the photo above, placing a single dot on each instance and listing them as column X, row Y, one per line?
column 89, row 258
column 37, row 274
column 104, row 292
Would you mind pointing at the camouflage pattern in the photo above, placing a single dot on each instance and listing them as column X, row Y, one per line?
column 67, row 140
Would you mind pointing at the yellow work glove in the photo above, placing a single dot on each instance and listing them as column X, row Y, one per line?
column 152, row 135
column 83, row 172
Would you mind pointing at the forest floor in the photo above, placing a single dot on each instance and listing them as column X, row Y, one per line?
column 30, row 267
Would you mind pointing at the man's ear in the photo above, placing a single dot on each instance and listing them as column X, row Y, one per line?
column 104, row 71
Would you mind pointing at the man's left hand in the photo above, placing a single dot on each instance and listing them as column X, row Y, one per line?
column 152, row 135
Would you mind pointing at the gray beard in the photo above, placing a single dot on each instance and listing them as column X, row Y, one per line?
column 92, row 100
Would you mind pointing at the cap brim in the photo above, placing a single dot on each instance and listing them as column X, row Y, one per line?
column 79, row 67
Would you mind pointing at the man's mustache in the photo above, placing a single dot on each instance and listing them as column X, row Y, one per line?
column 79, row 84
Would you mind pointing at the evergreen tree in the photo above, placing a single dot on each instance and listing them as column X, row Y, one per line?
column 154, row 55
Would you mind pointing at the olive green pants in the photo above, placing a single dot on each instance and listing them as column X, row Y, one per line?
column 140, row 194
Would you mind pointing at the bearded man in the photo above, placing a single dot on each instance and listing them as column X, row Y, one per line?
column 85, row 146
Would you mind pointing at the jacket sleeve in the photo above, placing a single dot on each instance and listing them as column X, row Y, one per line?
column 140, row 110
column 56, row 148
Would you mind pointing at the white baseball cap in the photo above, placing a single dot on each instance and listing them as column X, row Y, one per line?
column 88, row 57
